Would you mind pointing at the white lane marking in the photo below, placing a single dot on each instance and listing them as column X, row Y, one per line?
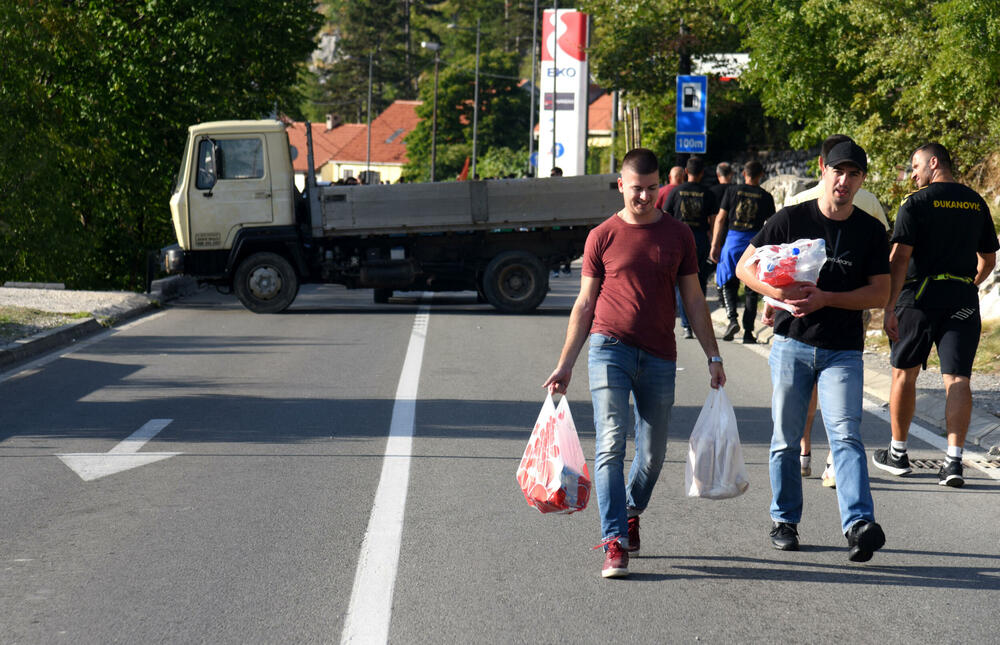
column 370, row 609
column 124, row 456
column 30, row 368
column 970, row 455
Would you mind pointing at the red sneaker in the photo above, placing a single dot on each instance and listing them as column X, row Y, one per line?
column 633, row 534
column 615, row 559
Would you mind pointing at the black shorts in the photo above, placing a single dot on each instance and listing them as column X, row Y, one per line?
column 954, row 331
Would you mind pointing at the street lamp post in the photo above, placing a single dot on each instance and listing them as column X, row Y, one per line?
column 436, row 48
column 475, row 106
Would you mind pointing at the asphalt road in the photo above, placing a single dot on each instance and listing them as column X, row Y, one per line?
column 255, row 531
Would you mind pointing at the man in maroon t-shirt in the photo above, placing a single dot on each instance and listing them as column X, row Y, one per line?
column 631, row 263
column 676, row 178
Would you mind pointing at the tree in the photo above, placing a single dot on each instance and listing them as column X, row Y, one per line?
column 891, row 73
column 96, row 98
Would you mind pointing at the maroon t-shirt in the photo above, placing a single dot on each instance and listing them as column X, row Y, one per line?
column 638, row 265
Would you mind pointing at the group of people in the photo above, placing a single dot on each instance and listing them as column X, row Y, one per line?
column 650, row 259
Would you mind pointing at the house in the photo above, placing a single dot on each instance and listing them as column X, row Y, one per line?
column 342, row 151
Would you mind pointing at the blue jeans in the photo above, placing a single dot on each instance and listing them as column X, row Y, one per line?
column 617, row 371
column 795, row 368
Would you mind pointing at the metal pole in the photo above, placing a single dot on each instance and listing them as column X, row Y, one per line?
column 555, row 73
column 475, row 107
column 614, row 127
column 368, row 149
column 534, row 88
column 434, row 120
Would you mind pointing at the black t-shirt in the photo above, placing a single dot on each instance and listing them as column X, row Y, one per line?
column 856, row 249
column 947, row 224
column 747, row 207
column 692, row 204
column 719, row 191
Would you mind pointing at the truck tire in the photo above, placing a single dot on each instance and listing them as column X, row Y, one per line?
column 266, row 283
column 381, row 296
column 515, row 282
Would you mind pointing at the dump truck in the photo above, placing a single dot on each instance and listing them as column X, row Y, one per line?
column 242, row 224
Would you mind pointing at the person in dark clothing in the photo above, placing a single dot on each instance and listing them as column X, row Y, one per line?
column 744, row 208
column 943, row 245
column 727, row 177
column 694, row 205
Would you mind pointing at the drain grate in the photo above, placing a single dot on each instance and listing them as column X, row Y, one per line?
column 934, row 464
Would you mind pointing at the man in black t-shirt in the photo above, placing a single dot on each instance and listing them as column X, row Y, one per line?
column 944, row 245
column 727, row 178
column 694, row 205
column 819, row 342
column 744, row 208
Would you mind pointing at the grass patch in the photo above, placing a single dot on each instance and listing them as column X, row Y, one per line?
column 21, row 322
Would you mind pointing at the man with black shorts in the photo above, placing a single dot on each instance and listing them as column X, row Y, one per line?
column 944, row 245
column 819, row 343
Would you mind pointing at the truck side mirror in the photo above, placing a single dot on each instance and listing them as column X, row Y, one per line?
column 207, row 174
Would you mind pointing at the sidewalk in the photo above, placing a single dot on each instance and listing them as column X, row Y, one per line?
column 984, row 428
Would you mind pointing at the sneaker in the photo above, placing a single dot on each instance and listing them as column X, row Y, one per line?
column 951, row 473
column 688, row 333
column 748, row 339
column 633, row 534
column 805, row 465
column 864, row 539
column 731, row 330
column 615, row 559
column 829, row 479
column 896, row 465
column 785, row 537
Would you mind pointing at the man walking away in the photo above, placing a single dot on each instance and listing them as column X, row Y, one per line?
column 631, row 264
column 943, row 245
column 819, row 344
column 744, row 208
column 674, row 179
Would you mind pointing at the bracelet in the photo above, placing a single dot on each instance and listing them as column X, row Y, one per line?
column 714, row 359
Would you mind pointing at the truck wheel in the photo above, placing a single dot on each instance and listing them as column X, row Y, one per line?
column 515, row 282
column 381, row 296
column 266, row 283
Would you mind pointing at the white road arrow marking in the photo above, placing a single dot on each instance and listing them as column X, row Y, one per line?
column 125, row 456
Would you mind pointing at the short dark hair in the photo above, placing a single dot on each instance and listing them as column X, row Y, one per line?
column 937, row 150
column 754, row 169
column 724, row 169
column 831, row 141
column 642, row 161
column 695, row 166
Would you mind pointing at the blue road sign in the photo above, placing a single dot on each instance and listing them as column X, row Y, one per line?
column 693, row 143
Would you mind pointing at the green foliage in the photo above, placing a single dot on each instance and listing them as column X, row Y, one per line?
column 891, row 73
column 96, row 98
column 500, row 162
column 503, row 115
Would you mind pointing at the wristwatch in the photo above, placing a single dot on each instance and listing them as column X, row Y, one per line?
column 714, row 359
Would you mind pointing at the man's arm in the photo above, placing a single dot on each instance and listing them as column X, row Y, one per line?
column 701, row 322
column 899, row 259
column 717, row 235
column 580, row 319
column 984, row 267
column 870, row 296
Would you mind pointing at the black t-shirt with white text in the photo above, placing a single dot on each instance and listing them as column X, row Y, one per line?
column 692, row 204
column 856, row 249
column 747, row 207
column 947, row 224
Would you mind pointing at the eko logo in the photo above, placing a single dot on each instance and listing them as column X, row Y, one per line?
column 568, row 72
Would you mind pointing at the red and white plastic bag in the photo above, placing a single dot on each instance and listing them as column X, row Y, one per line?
column 781, row 264
column 553, row 472
column 715, row 467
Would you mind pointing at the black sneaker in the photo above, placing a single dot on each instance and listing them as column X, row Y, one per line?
column 864, row 538
column 883, row 459
column 951, row 473
column 688, row 333
column 748, row 339
column 785, row 537
column 731, row 330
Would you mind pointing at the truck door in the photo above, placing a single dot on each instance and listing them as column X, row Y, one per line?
column 231, row 190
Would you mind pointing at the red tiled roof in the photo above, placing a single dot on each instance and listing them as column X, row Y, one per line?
column 599, row 114
column 349, row 142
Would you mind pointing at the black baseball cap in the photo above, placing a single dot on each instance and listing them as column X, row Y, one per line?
column 847, row 152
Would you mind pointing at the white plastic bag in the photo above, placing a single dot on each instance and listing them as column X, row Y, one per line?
column 715, row 467
column 553, row 471
column 781, row 264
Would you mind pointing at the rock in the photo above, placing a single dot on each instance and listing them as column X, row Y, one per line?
column 782, row 187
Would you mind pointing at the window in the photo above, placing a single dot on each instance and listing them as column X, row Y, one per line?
column 229, row 159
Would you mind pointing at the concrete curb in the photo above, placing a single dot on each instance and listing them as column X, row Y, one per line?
column 984, row 428
column 24, row 349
